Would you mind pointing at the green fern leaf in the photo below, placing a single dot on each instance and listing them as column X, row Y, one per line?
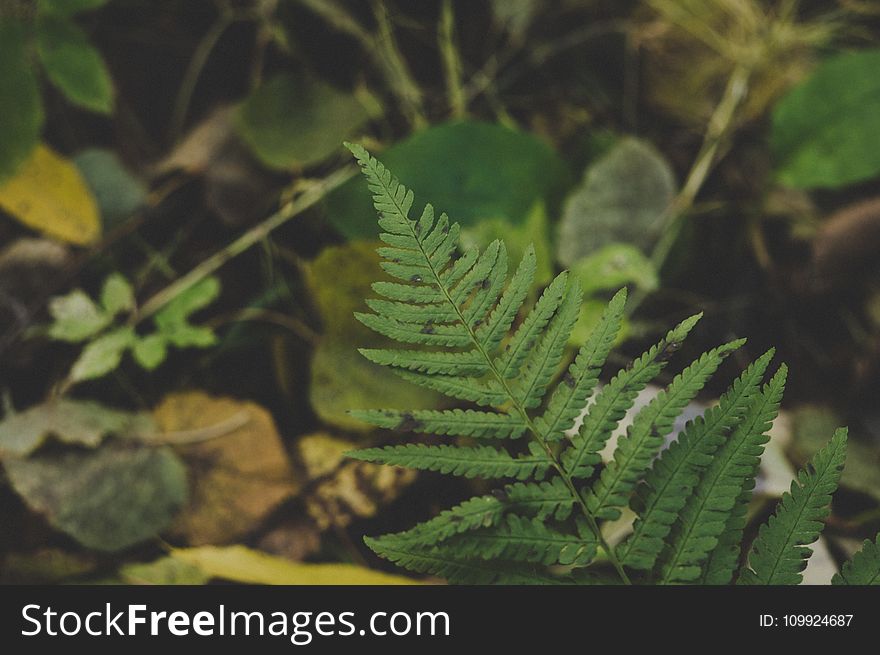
column 543, row 362
column 677, row 471
column 863, row 568
column 646, row 435
column 453, row 422
column 467, row 388
column 520, row 539
column 570, row 397
column 482, row 461
column 780, row 553
column 437, row 561
column 615, row 400
column 705, row 514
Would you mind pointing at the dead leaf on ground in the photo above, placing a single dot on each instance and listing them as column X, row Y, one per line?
column 82, row 422
column 241, row 564
column 236, row 478
column 344, row 489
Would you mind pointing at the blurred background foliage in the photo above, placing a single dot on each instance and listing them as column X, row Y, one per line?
column 183, row 245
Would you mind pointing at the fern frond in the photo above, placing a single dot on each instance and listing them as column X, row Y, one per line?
column 543, row 362
column 492, row 331
column 539, row 499
column 425, row 332
column 646, row 435
column 676, row 472
column 481, row 461
column 570, row 397
column 780, row 553
column 428, row 361
column 476, row 512
column 472, row 389
column 452, row 422
column 615, row 400
column 704, row 515
column 508, row 364
column 863, row 568
column 437, row 561
column 519, row 539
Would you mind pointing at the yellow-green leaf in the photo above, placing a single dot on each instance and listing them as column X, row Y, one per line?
column 49, row 195
column 241, row 564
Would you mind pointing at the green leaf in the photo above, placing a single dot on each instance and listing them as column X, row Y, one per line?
column 76, row 317
column 826, row 132
column 173, row 319
column 118, row 193
column 780, row 553
column 296, row 121
column 102, row 355
column 81, row 422
column 474, row 171
column 150, row 351
column 68, row 7
column 613, row 266
column 117, row 295
column 21, row 107
column 163, row 571
column 108, row 499
column 621, row 198
column 74, row 65
column 863, row 568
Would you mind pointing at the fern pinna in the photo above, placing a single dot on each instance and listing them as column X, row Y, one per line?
column 544, row 524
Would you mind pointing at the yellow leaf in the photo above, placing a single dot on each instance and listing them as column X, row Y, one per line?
column 49, row 195
column 241, row 564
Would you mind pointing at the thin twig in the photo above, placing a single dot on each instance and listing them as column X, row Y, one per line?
column 256, row 234
column 451, row 60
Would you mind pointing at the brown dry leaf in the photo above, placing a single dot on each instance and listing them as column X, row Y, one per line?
column 48, row 194
column 295, row 539
column 237, row 478
column 198, row 149
column 344, row 489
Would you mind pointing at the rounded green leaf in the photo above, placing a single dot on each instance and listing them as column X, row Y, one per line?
column 117, row 295
column 76, row 317
column 826, row 132
column 107, row 499
column 74, row 65
column 150, row 351
column 102, row 355
column 117, row 192
column 294, row 121
column 471, row 170
column 21, row 109
column 620, row 199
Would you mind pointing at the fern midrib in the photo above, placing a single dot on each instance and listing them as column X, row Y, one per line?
column 612, row 556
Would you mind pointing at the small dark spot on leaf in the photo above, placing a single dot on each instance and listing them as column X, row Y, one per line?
column 409, row 423
column 446, row 229
column 428, row 328
column 478, row 323
column 568, row 379
column 416, row 278
column 484, row 284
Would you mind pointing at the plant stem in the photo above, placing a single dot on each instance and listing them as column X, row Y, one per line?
column 194, row 70
column 451, row 60
column 382, row 49
column 256, row 234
